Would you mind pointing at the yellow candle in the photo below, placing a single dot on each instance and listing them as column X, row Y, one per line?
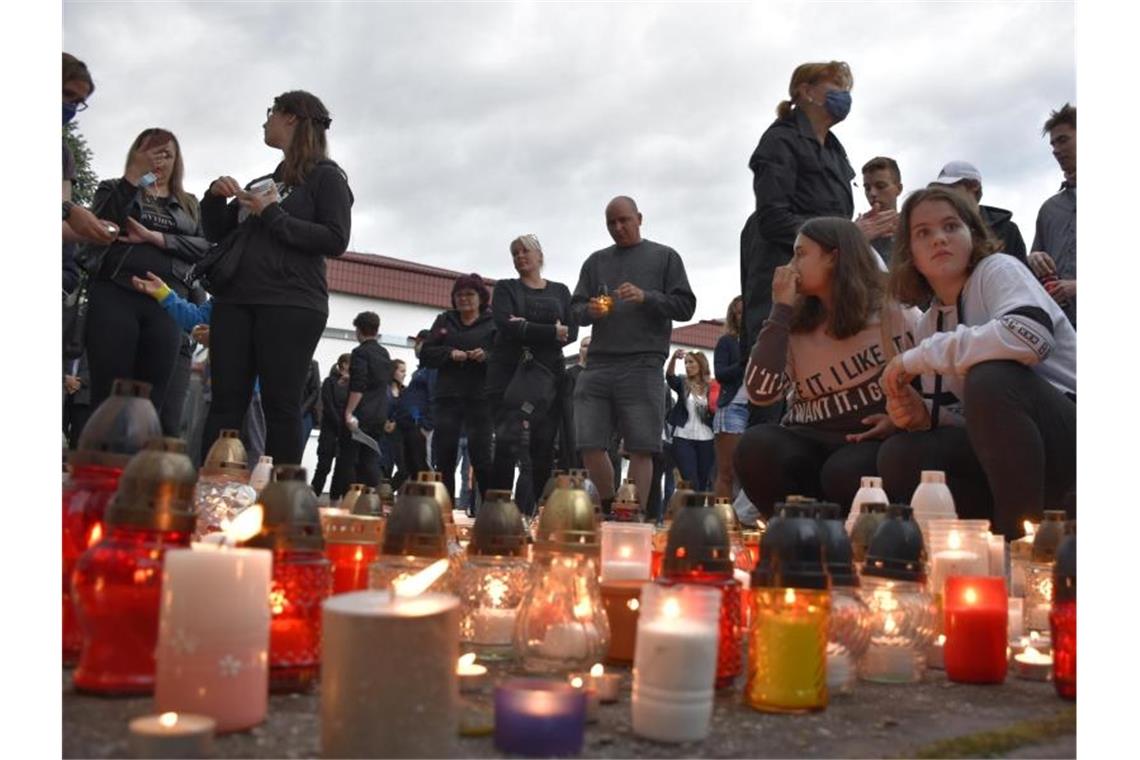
column 788, row 653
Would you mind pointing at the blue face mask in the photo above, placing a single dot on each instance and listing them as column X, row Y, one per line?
column 838, row 104
column 69, row 111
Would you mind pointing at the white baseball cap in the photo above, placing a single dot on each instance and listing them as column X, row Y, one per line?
column 956, row 171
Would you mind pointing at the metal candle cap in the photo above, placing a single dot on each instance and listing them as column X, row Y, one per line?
column 896, row 550
column 415, row 527
column 792, row 551
column 351, row 495
column 836, row 546
column 119, row 427
column 156, row 490
column 698, row 540
column 435, row 480
column 227, row 456
column 368, row 504
column 569, row 508
column 292, row 519
column 498, row 529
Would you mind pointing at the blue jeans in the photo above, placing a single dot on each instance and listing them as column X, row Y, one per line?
column 696, row 460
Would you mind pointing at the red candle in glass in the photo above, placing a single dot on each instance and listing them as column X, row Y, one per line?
column 1063, row 617
column 117, row 583
column 302, row 578
column 352, row 542
column 976, row 619
column 115, row 432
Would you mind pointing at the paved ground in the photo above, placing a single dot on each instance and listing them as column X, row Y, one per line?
column 935, row 718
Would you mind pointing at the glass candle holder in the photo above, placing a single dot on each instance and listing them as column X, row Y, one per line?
column 675, row 662
column 956, row 548
column 352, row 543
column 626, row 551
column 223, row 487
column 657, row 552
column 622, row 602
column 903, row 625
column 117, row 583
column 537, row 718
column 302, row 580
column 975, row 621
column 1063, row 618
column 491, row 590
column 389, row 568
column 788, row 650
column 849, row 635
column 562, row 623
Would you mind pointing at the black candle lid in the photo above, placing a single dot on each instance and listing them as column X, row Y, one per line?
column 896, row 550
column 1049, row 536
column 792, row 551
column 698, row 540
column 836, row 545
column 292, row 520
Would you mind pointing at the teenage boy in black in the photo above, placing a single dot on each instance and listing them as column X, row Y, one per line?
column 334, row 396
column 370, row 371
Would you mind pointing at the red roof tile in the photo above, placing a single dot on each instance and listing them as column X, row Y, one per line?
column 390, row 279
column 703, row 334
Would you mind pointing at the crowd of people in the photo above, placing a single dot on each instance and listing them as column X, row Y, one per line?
column 901, row 340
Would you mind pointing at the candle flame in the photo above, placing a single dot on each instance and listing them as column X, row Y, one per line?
column 790, row 596
column 941, row 639
column 633, row 605
column 1030, row 529
column 246, row 525
column 1031, row 652
column 496, row 589
column 889, row 625
column 168, row 719
column 421, row 581
column 971, row 595
column 597, row 670
column 359, row 553
column 96, row 534
column 625, row 552
column 1033, row 636
column 576, row 682
column 954, row 541
column 671, row 608
column 467, row 660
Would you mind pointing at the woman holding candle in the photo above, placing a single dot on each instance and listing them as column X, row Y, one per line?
column 997, row 361
column 532, row 315
column 267, row 273
column 128, row 334
column 830, row 331
column 459, row 346
column 691, row 418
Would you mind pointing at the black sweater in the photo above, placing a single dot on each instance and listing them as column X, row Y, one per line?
column 458, row 379
column 539, row 309
column 369, row 373
column 283, row 250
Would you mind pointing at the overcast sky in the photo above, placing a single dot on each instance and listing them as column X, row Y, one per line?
column 462, row 126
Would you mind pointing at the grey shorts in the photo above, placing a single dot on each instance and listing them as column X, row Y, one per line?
column 630, row 395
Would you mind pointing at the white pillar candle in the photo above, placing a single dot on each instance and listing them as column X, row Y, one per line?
column 997, row 556
column 388, row 675
column 491, row 626
column 626, row 551
column 675, row 662
column 1016, row 618
column 213, row 634
column 172, row 735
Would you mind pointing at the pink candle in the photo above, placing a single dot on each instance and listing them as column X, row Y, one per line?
column 213, row 635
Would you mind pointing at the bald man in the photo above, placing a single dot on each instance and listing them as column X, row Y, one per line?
column 648, row 290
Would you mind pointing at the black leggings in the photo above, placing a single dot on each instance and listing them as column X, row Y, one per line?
column 129, row 335
column 773, row 461
column 535, row 466
column 1016, row 456
column 452, row 416
column 274, row 344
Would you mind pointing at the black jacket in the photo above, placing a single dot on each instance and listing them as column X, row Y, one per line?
column 116, row 200
column 334, row 397
column 311, row 403
column 539, row 310
column 458, row 379
column 1004, row 229
column 369, row 373
column 283, row 250
column 729, row 360
column 794, row 179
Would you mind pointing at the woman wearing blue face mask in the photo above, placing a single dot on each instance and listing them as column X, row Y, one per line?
column 800, row 170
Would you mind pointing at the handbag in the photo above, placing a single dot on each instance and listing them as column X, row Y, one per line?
column 218, row 266
column 532, row 388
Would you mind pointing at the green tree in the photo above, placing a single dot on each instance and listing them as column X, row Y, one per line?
column 83, row 186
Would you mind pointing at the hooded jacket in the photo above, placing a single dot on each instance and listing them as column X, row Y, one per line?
column 283, row 251
column 794, row 178
column 1004, row 229
column 465, row 379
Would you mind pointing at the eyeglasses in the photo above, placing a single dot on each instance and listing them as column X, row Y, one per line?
column 466, row 294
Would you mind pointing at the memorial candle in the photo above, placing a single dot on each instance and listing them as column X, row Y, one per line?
column 172, row 735
column 975, row 620
column 536, row 718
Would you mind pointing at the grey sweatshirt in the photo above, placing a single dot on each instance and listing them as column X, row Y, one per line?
column 633, row 330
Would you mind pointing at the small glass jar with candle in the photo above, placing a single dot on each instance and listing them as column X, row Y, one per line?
column 626, row 551
column 676, row 662
column 302, row 579
column 1039, row 570
column 787, row 652
column 1063, row 617
column 975, row 621
column 538, row 718
column 657, row 554
column 117, row 582
column 352, row 543
column 562, row 624
column 956, row 547
column 493, row 579
column 904, row 618
column 414, row 538
column 698, row 552
column 626, row 506
column 849, row 622
column 117, row 430
column 223, row 487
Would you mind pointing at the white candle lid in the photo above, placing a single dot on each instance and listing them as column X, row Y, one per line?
column 933, row 476
column 870, row 481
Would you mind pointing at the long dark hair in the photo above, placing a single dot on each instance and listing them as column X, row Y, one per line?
column 152, row 138
column 732, row 323
column 858, row 286
column 907, row 285
column 309, row 144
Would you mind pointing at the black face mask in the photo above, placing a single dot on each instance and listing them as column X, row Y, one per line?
column 69, row 111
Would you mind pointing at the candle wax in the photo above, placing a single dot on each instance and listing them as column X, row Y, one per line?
column 890, row 659
column 624, row 570
column 791, row 655
column 493, row 626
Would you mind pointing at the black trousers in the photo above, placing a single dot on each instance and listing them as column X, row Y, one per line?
column 1016, row 456
column 355, row 463
column 452, row 416
column 411, row 457
column 773, row 461
column 326, row 452
column 534, row 455
column 274, row 344
column 129, row 335
column 172, row 412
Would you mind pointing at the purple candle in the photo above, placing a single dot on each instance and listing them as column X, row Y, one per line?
column 539, row 718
